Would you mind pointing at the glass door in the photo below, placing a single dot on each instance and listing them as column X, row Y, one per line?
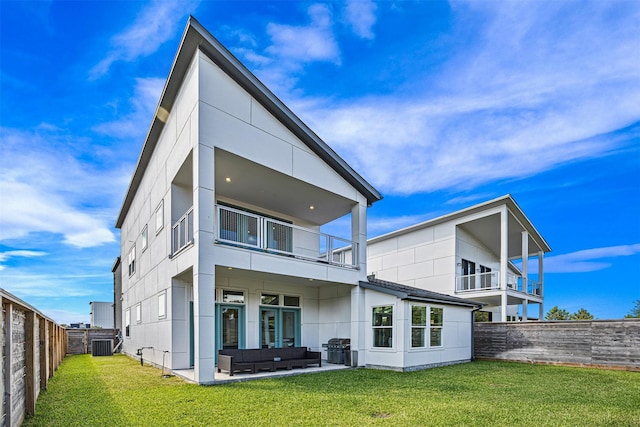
column 279, row 327
column 229, row 327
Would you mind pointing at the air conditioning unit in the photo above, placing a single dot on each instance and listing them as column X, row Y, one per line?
column 102, row 347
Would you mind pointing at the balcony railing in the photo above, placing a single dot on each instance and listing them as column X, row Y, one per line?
column 182, row 232
column 477, row 282
column 491, row 281
column 252, row 231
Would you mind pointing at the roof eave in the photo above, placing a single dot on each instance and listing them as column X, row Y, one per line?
column 195, row 37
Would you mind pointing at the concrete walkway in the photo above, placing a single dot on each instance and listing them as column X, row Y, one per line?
column 223, row 377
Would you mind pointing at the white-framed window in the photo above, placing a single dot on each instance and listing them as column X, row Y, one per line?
column 138, row 313
column 131, row 260
column 162, row 305
column 144, row 237
column 232, row 297
column 159, row 215
column 382, row 323
column 418, row 326
column 127, row 322
column 426, row 333
column 280, row 300
column 436, row 318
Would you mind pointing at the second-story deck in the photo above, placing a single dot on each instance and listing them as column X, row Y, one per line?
column 490, row 281
column 261, row 233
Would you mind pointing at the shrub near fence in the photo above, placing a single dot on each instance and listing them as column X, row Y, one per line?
column 32, row 348
column 612, row 344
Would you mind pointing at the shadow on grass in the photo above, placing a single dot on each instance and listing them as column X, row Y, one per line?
column 77, row 396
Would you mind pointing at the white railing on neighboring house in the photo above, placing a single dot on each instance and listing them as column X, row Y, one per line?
column 478, row 282
column 182, row 232
column 252, row 231
column 491, row 281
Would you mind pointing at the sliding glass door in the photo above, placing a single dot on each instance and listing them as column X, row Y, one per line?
column 279, row 327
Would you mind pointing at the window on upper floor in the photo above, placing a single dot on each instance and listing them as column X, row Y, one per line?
column 131, row 260
column 159, row 215
column 138, row 313
column 144, row 237
column 240, row 225
column 382, row 323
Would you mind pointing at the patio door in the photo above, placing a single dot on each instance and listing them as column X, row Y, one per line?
column 468, row 274
column 279, row 327
column 229, row 327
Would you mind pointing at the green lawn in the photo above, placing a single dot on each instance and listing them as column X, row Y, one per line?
column 117, row 391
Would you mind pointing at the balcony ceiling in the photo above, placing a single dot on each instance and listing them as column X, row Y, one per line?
column 487, row 231
column 266, row 188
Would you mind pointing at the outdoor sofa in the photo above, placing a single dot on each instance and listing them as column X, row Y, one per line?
column 253, row 360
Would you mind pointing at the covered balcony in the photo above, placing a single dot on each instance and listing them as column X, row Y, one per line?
column 500, row 258
column 265, row 210
column 491, row 281
column 251, row 231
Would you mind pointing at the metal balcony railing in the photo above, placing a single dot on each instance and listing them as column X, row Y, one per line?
column 477, row 282
column 252, row 231
column 491, row 281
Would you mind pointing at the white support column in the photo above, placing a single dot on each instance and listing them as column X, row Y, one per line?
column 525, row 261
column 504, row 259
column 358, row 309
column 359, row 234
column 525, row 315
column 204, row 272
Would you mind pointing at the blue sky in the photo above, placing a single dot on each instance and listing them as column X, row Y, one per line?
column 440, row 105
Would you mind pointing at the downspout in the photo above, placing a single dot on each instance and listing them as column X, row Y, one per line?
column 473, row 327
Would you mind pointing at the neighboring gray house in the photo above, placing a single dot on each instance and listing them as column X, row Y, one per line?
column 101, row 314
column 490, row 253
column 116, row 269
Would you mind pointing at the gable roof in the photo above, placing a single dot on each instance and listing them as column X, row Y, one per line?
column 410, row 293
column 507, row 200
column 196, row 37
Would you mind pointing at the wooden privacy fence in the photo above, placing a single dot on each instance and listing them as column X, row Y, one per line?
column 79, row 340
column 600, row 343
column 32, row 348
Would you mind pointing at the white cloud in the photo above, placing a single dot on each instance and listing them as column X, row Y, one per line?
column 67, row 317
column 155, row 24
column 301, row 44
column 142, row 104
column 536, row 88
column 588, row 260
column 4, row 256
column 360, row 15
column 46, row 189
column 27, row 285
column 377, row 226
